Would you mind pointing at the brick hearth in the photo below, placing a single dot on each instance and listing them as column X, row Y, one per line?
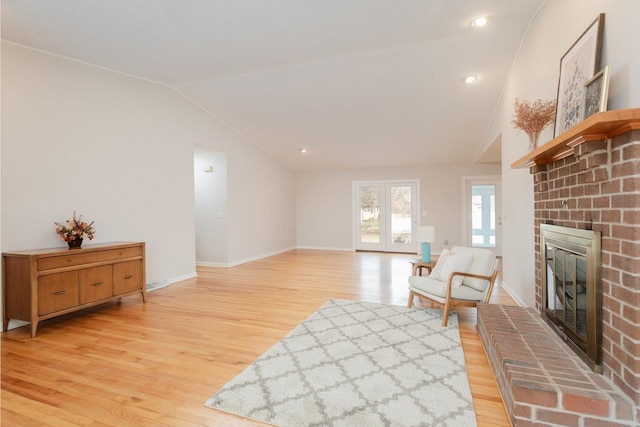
column 543, row 382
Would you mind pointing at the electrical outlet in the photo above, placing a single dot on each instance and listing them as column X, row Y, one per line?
column 446, row 242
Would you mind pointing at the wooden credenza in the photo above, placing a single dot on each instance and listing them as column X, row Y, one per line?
column 45, row 283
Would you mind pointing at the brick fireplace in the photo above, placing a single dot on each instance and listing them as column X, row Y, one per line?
column 588, row 178
column 598, row 187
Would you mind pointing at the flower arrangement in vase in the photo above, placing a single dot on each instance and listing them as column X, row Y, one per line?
column 74, row 230
column 532, row 118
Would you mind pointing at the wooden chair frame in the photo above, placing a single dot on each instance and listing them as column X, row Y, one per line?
column 452, row 302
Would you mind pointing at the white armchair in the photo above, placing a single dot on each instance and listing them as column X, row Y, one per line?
column 462, row 277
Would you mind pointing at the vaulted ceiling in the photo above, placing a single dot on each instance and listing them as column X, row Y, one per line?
column 358, row 83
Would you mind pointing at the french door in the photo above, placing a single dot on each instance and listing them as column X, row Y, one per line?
column 385, row 215
column 483, row 218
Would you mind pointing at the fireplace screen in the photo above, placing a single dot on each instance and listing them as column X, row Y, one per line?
column 571, row 289
column 567, row 289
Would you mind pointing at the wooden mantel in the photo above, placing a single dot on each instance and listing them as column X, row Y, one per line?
column 605, row 125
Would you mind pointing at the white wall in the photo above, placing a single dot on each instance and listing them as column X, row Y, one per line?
column 324, row 201
column 120, row 150
column 535, row 75
column 1, row 248
column 79, row 138
column 211, row 207
column 262, row 207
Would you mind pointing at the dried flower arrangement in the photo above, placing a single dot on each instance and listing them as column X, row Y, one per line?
column 74, row 230
column 532, row 118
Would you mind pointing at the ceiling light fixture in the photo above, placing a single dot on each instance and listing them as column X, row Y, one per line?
column 480, row 21
column 303, row 151
column 471, row 78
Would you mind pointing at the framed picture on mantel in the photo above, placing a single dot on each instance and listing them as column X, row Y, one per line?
column 578, row 65
column 595, row 94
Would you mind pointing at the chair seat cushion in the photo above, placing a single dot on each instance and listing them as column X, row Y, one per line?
column 437, row 289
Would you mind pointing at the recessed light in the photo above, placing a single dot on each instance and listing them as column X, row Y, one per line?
column 471, row 78
column 480, row 21
column 303, row 151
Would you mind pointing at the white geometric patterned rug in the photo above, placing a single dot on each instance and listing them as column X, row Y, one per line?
column 358, row 364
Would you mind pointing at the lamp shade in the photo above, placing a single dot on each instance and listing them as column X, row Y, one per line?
column 426, row 233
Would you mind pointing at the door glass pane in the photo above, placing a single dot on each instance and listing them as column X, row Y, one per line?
column 551, row 279
column 569, row 289
column 476, row 219
column 559, row 307
column 401, row 214
column 492, row 237
column 483, row 215
column 581, row 296
column 370, row 214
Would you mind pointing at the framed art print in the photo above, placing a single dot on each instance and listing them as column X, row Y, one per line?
column 595, row 94
column 578, row 65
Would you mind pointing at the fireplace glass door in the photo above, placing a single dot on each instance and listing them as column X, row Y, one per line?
column 567, row 290
column 571, row 288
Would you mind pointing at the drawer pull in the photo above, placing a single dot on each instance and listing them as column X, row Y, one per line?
column 96, row 284
column 128, row 277
column 59, row 292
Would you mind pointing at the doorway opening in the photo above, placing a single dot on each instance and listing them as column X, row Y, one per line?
column 210, row 197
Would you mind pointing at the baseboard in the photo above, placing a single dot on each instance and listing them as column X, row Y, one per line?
column 257, row 257
column 163, row 283
column 325, row 248
column 243, row 261
column 13, row 324
column 211, row 264
column 512, row 294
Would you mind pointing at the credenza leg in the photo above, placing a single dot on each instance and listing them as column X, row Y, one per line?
column 34, row 327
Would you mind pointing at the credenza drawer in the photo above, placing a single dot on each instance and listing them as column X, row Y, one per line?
column 96, row 283
column 57, row 292
column 120, row 253
column 127, row 277
column 70, row 260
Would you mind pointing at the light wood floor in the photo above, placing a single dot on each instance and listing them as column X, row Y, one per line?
column 155, row 364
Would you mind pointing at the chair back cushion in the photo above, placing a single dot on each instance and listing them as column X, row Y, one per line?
column 449, row 262
column 482, row 264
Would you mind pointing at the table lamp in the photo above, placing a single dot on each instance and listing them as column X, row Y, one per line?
column 426, row 234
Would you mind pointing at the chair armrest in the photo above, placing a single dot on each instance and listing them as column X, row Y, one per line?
column 490, row 279
column 475, row 276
